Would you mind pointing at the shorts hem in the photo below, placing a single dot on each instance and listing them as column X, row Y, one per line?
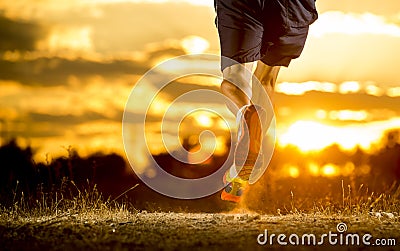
column 228, row 61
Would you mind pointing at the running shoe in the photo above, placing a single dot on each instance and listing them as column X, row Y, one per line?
column 234, row 188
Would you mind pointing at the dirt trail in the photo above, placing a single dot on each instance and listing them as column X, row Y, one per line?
column 184, row 231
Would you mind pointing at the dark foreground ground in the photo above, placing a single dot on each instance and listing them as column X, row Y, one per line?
column 189, row 231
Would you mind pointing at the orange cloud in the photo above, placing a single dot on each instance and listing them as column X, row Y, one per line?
column 67, row 38
column 311, row 135
column 353, row 24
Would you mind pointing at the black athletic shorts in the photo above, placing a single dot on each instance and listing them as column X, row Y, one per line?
column 273, row 31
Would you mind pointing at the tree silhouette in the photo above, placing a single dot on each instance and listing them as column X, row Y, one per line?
column 16, row 165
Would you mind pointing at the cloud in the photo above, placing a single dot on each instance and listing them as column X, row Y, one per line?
column 118, row 26
column 97, row 97
column 67, row 119
column 391, row 7
column 53, row 116
column 19, row 35
column 194, row 2
column 53, row 8
column 67, row 38
column 340, row 57
column 68, row 66
column 66, row 50
column 301, row 88
column 135, row 25
column 295, row 107
column 23, row 9
column 353, row 24
column 346, row 87
column 348, row 46
column 310, row 135
column 56, row 71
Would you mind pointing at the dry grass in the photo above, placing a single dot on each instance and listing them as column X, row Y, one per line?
column 68, row 200
column 72, row 218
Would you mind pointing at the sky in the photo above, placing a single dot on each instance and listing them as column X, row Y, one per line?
column 67, row 68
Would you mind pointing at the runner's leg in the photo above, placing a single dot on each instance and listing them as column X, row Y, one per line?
column 236, row 85
column 267, row 76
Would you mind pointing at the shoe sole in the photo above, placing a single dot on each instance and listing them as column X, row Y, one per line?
column 229, row 196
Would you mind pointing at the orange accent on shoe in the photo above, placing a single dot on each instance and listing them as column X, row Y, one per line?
column 234, row 188
column 230, row 197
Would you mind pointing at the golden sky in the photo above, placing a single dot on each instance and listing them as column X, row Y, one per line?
column 67, row 68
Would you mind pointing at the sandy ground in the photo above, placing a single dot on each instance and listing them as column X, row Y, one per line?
column 187, row 231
